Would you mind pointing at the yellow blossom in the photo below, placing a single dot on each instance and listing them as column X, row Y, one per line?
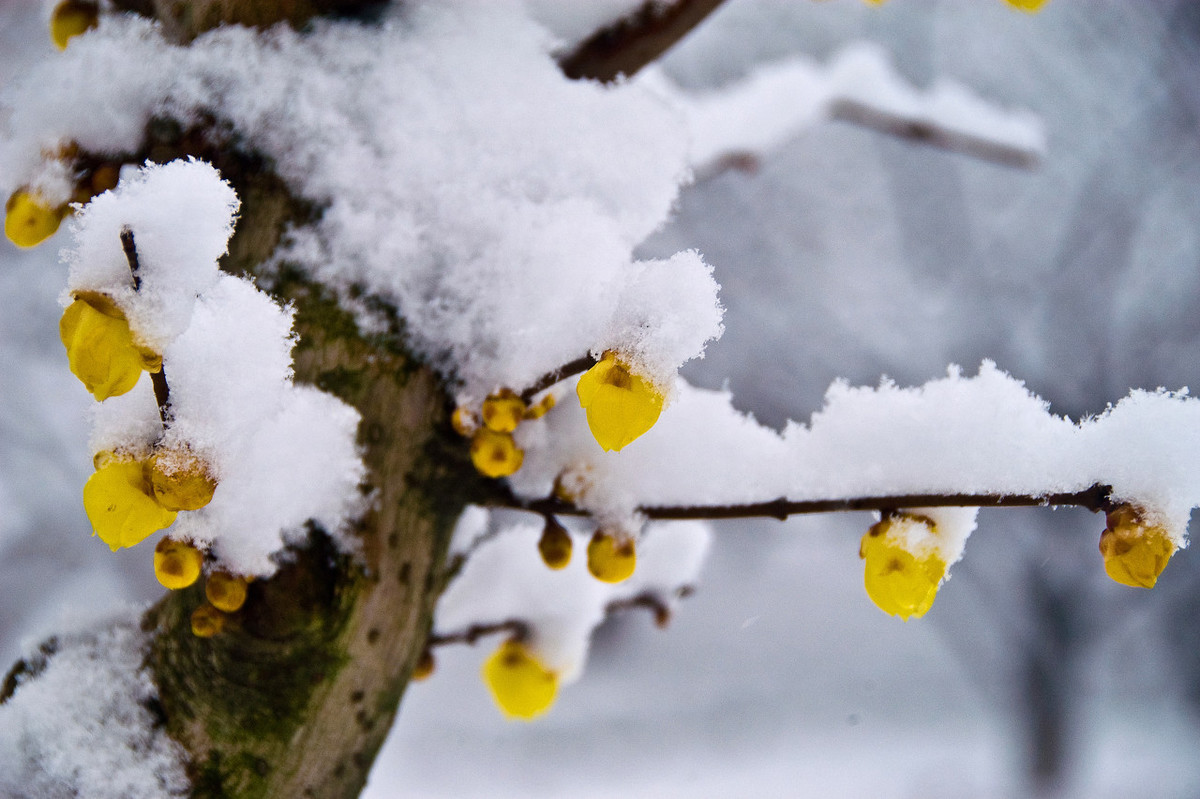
column 495, row 454
column 226, row 592
column 611, row 560
column 207, row 621
column 901, row 582
column 100, row 348
column 520, row 684
column 555, row 545
column 176, row 563
column 71, row 18
column 181, row 480
column 1135, row 552
column 1028, row 6
column 120, row 504
column 503, row 411
column 29, row 219
column 620, row 405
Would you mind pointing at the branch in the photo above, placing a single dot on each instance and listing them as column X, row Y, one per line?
column 544, row 382
column 1094, row 499
column 518, row 630
column 631, row 43
column 650, row 601
column 162, row 391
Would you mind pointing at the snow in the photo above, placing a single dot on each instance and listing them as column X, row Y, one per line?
column 84, row 728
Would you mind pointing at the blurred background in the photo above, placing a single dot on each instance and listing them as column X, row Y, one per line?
column 843, row 253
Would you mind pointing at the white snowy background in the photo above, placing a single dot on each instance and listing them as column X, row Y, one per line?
column 846, row 254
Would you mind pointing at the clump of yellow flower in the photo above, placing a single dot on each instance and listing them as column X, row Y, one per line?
column 29, row 219
column 1135, row 551
column 620, row 404
column 901, row 579
column 120, row 503
column 176, row 563
column 521, row 685
column 71, row 18
column 101, row 350
column 611, row 559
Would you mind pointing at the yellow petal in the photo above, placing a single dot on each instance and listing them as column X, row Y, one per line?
column 176, row 563
column 555, row 545
column 520, row 684
column 620, row 405
column 29, row 220
column 120, row 504
column 100, row 348
column 225, row 591
column 207, row 621
column 181, row 481
column 1135, row 553
column 899, row 582
column 611, row 560
column 495, row 454
column 71, row 18
column 503, row 411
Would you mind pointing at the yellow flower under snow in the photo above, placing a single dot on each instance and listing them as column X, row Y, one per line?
column 1135, row 552
column 120, row 504
column 70, row 18
column 520, row 684
column 181, row 480
column 620, row 405
column 100, row 348
column 29, row 219
column 611, row 560
column 900, row 581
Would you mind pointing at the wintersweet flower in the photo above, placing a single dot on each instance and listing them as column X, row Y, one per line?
column 1135, row 552
column 555, row 545
column 903, row 571
column 120, row 504
column 503, row 411
column 620, row 405
column 176, row 563
column 207, row 621
column 226, row 592
column 1028, row 6
column 611, row 560
column 520, row 684
column 71, row 18
column 495, row 454
column 100, row 348
column 29, row 219
column 181, row 480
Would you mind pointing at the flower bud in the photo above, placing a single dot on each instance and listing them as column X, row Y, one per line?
column 555, row 544
column 71, row 18
column 181, row 480
column 1135, row 552
column 611, row 560
column 495, row 454
column 207, row 621
column 520, row 684
column 225, row 591
column 903, row 572
column 425, row 666
column 176, row 563
column 503, row 411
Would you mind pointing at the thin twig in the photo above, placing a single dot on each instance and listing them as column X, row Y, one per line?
column 162, row 391
column 631, row 43
column 1094, row 499
column 561, row 373
column 517, row 629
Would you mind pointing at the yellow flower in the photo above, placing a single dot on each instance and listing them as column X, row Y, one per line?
column 520, row 684
column 620, row 405
column 225, row 591
column 176, row 563
column 120, row 504
column 503, row 411
column 1028, row 6
column 541, row 408
column 181, row 481
column 1135, row 553
column 555, row 545
column 207, row 621
column 495, row 454
column 902, row 583
column 71, row 18
column 100, row 347
column 29, row 220
column 425, row 667
column 464, row 422
column 611, row 560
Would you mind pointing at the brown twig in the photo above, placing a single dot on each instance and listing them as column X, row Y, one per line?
column 650, row 601
column 631, row 43
column 516, row 628
column 1094, row 499
column 927, row 132
column 561, row 373
column 162, row 391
